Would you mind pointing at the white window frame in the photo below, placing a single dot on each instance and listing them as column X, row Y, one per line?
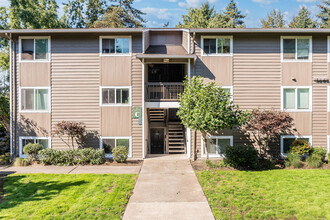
column 310, row 109
column 231, row 88
column 231, row 138
column 116, row 87
column 115, row 54
column 217, row 54
column 328, row 99
column 35, row 111
column 328, row 48
column 117, row 137
column 328, row 147
column 34, row 45
column 296, row 53
column 22, row 155
column 293, row 136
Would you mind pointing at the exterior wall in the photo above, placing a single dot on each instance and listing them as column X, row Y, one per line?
column 168, row 37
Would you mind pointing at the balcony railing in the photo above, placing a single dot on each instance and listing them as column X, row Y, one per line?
column 163, row 91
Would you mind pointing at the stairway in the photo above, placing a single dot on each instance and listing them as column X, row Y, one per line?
column 176, row 140
column 157, row 115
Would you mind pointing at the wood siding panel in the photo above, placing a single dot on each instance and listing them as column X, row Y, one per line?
column 75, row 84
column 35, row 124
column 116, row 121
column 116, row 71
column 303, row 122
column 300, row 71
column 185, row 36
column 162, row 38
column 35, row 74
column 146, row 40
column 216, row 69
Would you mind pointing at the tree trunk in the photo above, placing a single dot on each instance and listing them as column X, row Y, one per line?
column 205, row 144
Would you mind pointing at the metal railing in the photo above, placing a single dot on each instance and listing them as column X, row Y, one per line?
column 163, row 91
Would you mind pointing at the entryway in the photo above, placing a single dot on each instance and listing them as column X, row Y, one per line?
column 157, row 140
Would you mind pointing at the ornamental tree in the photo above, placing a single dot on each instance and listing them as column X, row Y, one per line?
column 208, row 108
column 265, row 126
column 74, row 131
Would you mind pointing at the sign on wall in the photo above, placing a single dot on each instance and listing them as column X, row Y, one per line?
column 137, row 113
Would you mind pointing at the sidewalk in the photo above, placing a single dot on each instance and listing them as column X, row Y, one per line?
column 167, row 188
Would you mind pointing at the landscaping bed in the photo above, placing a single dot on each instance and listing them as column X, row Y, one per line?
column 272, row 194
column 65, row 196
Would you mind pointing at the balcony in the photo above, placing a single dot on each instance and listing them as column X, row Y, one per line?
column 163, row 91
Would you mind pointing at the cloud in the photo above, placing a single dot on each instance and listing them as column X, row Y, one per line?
column 172, row 0
column 4, row 3
column 160, row 13
column 307, row 1
column 265, row 2
column 195, row 3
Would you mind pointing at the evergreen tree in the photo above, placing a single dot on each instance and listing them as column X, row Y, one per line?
column 198, row 17
column 74, row 14
column 324, row 14
column 275, row 19
column 233, row 18
column 303, row 20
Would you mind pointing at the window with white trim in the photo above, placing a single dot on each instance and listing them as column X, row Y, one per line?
column 109, row 143
column 35, row 99
column 43, row 141
column 115, row 45
column 296, row 98
column 220, row 45
column 34, row 48
column 296, row 48
column 216, row 145
column 229, row 89
column 115, row 95
column 287, row 140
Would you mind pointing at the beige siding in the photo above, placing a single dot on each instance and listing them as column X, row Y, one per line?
column 185, row 36
column 35, row 74
column 216, row 69
column 303, row 122
column 297, row 74
column 146, row 40
column 75, row 83
column 162, row 38
column 115, row 71
column 35, row 124
column 116, row 121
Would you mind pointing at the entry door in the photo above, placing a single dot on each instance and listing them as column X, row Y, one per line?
column 157, row 140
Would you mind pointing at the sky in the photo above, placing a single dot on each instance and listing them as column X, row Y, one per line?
column 159, row 12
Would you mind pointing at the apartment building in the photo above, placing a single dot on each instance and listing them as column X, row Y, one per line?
column 124, row 84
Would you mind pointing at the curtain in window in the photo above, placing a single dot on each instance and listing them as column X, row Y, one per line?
column 222, row 144
column 303, row 49
column 41, row 46
column 211, row 146
column 303, row 98
column 41, row 99
column 289, row 99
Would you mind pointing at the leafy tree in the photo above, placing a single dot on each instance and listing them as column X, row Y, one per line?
column 208, row 108
column 198, row 17
column 275, row 19
column 303, row 20
column 95, row 8
column 74, row 14
column 74, row 131
column 324, row 15
column 265, row 126
column 233, row 17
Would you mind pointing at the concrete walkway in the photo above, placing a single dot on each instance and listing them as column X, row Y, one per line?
column 167, row 188
column 72, row 169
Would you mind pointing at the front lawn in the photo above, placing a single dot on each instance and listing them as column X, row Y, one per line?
column 274, row 194
column 66, row 196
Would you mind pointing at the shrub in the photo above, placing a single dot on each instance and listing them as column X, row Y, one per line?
column 267, row 164
column 293, row 160
column 244, row 157
column 319, row 151
column 300, row 147
column 22, row 162
column 314, row 161
column 91, row 156
column 5, row 159
column 216, row 164
column 120, row 154
column 32, row 150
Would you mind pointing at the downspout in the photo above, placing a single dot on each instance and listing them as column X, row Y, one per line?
column 195, row 132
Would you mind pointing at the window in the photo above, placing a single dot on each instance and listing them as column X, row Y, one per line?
column 296, row 48
column 43, row 141
column 34, row 48
column 115, row 95
column 287, row 140
column 229, row 89
column 35, row 99
column 115, row 45
column 216, row 145
column 108, row 143
column 221, row 45
column 296, row 98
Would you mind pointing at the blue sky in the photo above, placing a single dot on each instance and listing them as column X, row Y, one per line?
column 161, row 11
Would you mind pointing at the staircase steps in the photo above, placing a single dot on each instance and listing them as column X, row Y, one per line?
column 176, row 140
column 157, row 115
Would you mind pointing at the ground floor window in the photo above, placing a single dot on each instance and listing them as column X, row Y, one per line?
column 287, row 140
column 109, row 143
column 43, row 141
column 216, row 145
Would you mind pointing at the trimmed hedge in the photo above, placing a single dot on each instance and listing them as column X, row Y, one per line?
column 72, row 157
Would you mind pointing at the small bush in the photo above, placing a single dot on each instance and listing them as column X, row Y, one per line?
column 300, row 147
column 91, row 156
column 216, row 164
column 293, row 160
column 5, row 159
column 22, row 162
column 242, row 157
column 319, row 151
column 32, row 150
column 120, row 154
column 314, row 161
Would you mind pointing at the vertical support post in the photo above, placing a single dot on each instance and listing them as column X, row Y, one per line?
column 188, row 132
column 143, row 102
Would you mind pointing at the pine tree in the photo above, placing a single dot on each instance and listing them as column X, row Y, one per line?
column 198, row 17
column 324, row 15
column 233, row 18
column 303, row 20
column 275, row 19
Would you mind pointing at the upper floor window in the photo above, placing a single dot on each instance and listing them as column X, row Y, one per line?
column 34, row 48
column 119, row 95
column 296, row 48
column 217, row 45
column 296, row 98
column 35, row 99
column 23, row 141
column 120, row 45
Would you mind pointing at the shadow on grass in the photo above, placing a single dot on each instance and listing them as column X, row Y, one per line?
column 17, row 190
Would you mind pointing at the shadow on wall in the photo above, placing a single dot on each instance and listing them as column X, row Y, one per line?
column 29, row 127
column 204, row 71
column 90, row 139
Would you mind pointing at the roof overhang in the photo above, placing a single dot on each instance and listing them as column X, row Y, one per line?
column 165, row 56
column 261, row 30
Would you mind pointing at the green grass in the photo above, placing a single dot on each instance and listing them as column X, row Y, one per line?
column 274, row 194
column 66, row 196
